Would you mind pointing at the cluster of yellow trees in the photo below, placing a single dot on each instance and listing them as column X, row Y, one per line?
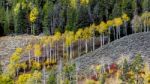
column 63, row 45
column 141, row 23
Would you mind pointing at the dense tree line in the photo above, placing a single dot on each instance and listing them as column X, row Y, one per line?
column 48, row 16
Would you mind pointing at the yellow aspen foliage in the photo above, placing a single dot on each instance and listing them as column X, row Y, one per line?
column 146, row 18
column 125, row 17
column 57, row 36
column 78, row 34
column 93, row 27
column 34, row 14
column 84, row 2
column 18, row 50
column 37, row 50
column 36, row 65
column 110, row 23
column 98, row 68
column 14, row 58
column 11, row 70
column 29, row 47
column 16, row 8
column 22, row 79
column 102, row 27
column 69, row 38
column 73, row 3
column 23, row 65
column 86, row 33
column 37, row 75
column 5, row 79
column 90, row 81
column 118, row 22
column 147, row 73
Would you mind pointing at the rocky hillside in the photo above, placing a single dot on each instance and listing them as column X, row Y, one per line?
column 127, row 46
column 9, row 43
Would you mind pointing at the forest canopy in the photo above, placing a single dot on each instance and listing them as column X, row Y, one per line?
column 47, row 16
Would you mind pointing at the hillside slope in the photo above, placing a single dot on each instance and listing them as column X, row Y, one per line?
column 127, row 46
column 9, row 43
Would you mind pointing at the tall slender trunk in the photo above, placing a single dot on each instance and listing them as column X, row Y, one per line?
column 119, row 31
column 125, row 24
column 109, row 32
column 67, row 57
column 47, row 51
column 44, row 81
column 86, row 46
column 93, row 42
column 71, row 51
column 114, row 33
column 50, row 52
column 63, row 49
column 55, row 52
column 29, row 58
column 78, row 47
column 103, row 40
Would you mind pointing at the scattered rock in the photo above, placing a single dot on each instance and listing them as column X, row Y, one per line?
column 126, row 46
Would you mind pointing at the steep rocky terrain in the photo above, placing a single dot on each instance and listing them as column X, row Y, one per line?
column 9, row 43
column 127, row 46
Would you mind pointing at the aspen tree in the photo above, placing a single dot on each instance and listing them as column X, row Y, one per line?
column 110, row 25
column 136, row 24
column 125, row 19
column 78, row 37
column 86, row 35
column 33, row 17
column 37, row 51
column 118, row 22
column 92, row 29
column 145, row 21
column 102, row 28
column 56, row 38
column 28, row 48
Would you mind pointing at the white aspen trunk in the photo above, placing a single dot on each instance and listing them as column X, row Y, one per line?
column 67, row 53
column 50, row 52
column 86, row 46
column 126, row 33
column 78, row 47
column 47, row 52
column 103, row 38
column 24, row 71
column 119, row 31
column 114, row 33
column 93, row 42
column 63, row 49
column 29, row 58
column 17, row 71
column 109, row 30
column 144, row 28
column 55, row 53
column 101, row 42
column 39, row 59
column 71, row 52
column 44, row 81
column 147, row 28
